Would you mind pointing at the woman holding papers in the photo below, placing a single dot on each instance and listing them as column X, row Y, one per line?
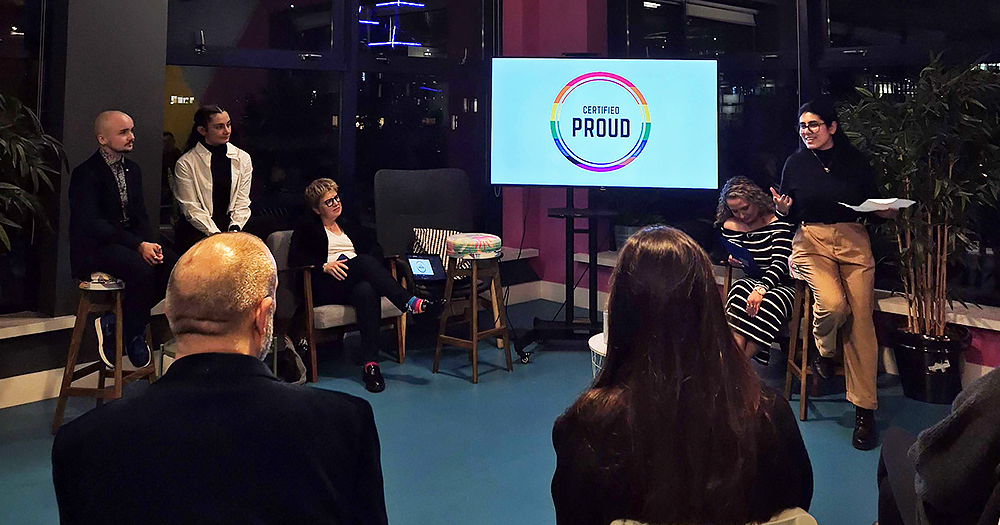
column 758, row 305
column 832, row 252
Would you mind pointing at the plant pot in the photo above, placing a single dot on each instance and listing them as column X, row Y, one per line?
column 622, row 233
column 929, row 368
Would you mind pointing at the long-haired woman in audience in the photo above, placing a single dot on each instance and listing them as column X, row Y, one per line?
column 677, row 427
column 758, row 305
column 352, row 272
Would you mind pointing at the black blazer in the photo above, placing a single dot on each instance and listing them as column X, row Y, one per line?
column 95, row 208
column 219, row 440
column 309, row 241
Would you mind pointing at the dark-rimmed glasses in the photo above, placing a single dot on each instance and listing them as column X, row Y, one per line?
column 331, row 201
column 812, row 125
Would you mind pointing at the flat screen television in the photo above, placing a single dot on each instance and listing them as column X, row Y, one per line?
column 604, row 123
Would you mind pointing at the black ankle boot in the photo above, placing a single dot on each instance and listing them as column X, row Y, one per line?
column 865, row 436
column 823, row 366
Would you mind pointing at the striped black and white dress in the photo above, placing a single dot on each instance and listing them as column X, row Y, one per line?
column 770, row 247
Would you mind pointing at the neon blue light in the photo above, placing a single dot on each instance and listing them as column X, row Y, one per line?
column 393, row 43
column 431, row 89
column 369, row 22
column 399, row 3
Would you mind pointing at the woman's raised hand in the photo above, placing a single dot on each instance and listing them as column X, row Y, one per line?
column 782, row 203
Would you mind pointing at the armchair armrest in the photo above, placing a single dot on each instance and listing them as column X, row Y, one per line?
column 401, row 271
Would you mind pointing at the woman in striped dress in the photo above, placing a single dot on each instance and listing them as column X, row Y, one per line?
column 758, row 306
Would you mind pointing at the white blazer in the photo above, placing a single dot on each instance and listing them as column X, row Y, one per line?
column 193, row 187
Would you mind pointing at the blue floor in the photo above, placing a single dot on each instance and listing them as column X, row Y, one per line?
column 454, row 452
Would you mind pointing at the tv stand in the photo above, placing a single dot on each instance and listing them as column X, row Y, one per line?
column 571, row 327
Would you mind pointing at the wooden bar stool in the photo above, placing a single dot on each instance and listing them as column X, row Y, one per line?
column 800, row 344
column 484, row 262
column 109, row 300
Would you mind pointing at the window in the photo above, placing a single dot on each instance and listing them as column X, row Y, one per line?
column 404, row 28
column 288, row 120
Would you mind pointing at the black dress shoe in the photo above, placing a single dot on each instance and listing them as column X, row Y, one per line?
column 373, row 379
column 865, row 436
column 823, row 366
column 433, row 307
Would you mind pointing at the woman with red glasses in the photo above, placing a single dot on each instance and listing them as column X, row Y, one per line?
column 832, row 252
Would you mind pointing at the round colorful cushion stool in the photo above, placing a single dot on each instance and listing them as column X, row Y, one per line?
column 473, row 246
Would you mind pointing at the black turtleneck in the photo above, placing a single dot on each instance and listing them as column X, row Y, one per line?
column 222, row 184
column 817, row 193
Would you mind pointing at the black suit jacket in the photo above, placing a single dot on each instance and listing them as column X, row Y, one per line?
column 219, row 440
column 95, row 208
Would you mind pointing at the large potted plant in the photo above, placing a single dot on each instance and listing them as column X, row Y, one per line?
column 29, row 158
column 936, row 145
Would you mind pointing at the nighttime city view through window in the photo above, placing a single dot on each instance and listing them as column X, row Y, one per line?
column 20, row 32
column 287, row 120
column 402, row 124
column 404, row 28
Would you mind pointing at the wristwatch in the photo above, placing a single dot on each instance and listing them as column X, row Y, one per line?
column 761, row 289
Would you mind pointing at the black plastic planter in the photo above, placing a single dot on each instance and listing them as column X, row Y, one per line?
column 929, row 368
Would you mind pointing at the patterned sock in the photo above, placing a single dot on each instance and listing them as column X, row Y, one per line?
column 415, row 305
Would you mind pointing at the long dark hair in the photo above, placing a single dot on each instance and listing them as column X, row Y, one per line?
column 202, row 117
column 826, row 111
column 683, row 398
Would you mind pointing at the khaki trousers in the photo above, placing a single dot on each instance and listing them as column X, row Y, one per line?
column 836, row 261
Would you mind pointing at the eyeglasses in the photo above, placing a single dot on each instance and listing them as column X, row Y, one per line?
column 812, row 126
column 331, row 201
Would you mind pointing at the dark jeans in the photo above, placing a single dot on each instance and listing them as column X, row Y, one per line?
column 145, row 285
column 367, row 282
column 897, row 497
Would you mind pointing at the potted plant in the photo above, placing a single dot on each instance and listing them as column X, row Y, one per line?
column 936, row 145
column 29, row 158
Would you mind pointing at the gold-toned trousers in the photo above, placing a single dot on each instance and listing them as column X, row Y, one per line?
column 836, row 261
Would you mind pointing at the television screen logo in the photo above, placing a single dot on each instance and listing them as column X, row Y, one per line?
column 600, row 122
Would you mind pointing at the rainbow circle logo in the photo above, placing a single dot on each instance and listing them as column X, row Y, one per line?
column 593, row 121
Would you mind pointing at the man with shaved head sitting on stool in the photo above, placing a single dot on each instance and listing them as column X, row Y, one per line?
column 110, row 233
column 218, row 439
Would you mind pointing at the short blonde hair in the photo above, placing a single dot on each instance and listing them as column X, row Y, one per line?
column 217, row 284
column 317, row 189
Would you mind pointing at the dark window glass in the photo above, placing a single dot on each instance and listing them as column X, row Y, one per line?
column 404, row 28
column 927, row 23
column 287, row 120
column 402, row 123
column 295, row 25
column 20, row 46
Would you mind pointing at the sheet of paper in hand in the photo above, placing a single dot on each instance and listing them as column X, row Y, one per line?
column 744, row 257
column 881, row 205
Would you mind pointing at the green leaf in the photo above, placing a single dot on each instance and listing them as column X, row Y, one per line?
column 3, row 237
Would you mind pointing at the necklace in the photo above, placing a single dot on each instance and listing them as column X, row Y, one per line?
column 825, row 167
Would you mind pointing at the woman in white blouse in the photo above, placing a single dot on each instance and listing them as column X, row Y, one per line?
column 211, row 181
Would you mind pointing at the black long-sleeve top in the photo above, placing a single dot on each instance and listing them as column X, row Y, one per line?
column 816, row 194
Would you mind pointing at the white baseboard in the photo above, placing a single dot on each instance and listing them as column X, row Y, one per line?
column 555, row 292
column 29, row 388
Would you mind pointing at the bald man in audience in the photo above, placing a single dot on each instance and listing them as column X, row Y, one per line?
column 218, row 439
column 110, row 233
